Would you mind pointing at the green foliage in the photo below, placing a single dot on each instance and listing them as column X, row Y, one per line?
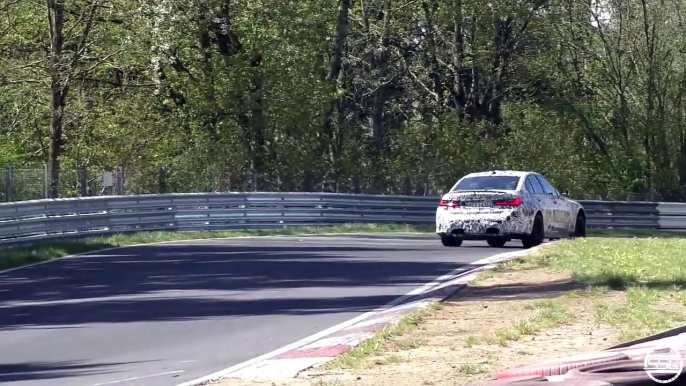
column 219, row 92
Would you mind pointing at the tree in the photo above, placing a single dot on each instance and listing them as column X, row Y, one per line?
column 57, row 46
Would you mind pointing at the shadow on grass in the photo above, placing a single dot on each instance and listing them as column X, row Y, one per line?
column 613, row 281
column 638, row 233
column 519, row 291
column 557, row 288
column 623, row 282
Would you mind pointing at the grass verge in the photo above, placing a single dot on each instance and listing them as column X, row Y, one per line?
column 15, row 257
column 650, row 273
column 546, row 315
column 626, row 232
column 356, row 357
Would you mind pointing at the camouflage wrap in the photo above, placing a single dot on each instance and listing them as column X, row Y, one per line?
column 515, row 220
column 473, row 212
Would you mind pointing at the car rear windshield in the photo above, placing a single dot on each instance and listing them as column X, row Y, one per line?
column 488, row 183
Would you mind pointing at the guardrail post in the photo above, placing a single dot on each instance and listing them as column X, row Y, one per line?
column 83, row 181
column 162, row 181
column 8, row 184
column 120, row 181
column 46, row 183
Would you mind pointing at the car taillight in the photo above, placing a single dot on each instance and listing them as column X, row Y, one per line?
column 516, row 202
column 449, row 204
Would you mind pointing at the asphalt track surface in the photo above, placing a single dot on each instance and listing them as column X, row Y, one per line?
column 160, row 315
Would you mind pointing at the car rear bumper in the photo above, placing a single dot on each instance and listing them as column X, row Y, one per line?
column 477, row 226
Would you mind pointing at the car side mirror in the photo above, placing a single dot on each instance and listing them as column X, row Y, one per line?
column 565, row 193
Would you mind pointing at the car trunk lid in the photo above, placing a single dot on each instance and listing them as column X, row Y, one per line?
column 480, row 200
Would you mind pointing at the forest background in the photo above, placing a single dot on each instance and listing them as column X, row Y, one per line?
column 350, row 96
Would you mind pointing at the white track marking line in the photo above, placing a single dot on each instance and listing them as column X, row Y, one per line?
column 313, row 338
column 137, row 378
column 305, row 341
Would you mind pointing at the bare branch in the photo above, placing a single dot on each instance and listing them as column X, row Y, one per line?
column 98, row 63
column 111, row 83
column 5, row 81
column 424, row 86
column 86, row 32
column 8, row 4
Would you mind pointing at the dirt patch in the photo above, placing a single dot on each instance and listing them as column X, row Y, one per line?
column 506, row 319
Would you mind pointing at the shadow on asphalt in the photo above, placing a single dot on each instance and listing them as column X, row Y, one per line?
column 186, row 282
column 37, row 371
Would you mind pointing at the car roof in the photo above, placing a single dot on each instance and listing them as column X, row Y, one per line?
column 513, row 173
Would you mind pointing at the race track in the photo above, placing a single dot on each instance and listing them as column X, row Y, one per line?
column 160, row 315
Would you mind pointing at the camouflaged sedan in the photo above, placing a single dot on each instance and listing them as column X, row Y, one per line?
column 500, row 206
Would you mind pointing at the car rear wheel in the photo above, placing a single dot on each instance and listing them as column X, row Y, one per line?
column 537, row 233
column 497, row 242
column 449, row 241
column 580, row 227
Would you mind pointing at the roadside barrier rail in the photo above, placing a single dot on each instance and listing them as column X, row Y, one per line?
column 29, row 221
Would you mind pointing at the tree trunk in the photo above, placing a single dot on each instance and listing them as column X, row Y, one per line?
column 262, row 156
column 59, row 88
column 334, row 77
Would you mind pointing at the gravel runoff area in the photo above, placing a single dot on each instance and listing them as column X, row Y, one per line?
column 576, row 296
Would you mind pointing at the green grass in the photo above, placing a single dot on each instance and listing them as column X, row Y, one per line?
column 15, row 257
column 410, row 344
column 546, row 315
column 499, row 268
column 651, row 272
column 471, row 369
column 377, row 344
column 619, row 263
column 590, row 292
column 626, row 232
column 472, row 340
column 326, row 382
column 641, row 315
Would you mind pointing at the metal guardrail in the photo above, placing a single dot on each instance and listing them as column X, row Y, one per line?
column 29, row 221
